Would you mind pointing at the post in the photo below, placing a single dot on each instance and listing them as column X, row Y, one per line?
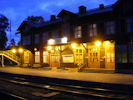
column 3, row 61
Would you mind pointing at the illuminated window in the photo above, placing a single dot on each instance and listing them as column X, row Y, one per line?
column 36, row 38
column 93, row 30
column 110, row 27
column 78, row 32
column 68, row 59
column 45, row 37
column 26, row 40
column 79, row 56
column 37, row 57
column 54, row 35
column 45, row 56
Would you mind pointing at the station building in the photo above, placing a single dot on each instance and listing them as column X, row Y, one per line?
column 99, row 38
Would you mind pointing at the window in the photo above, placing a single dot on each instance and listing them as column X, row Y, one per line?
column 37, row 57
column 26, row 40
column 130, row 53
column 79, row 56
column 129, row 22
column 93, row 30
column 45, row 56
column 68, row 59
column 26, row 57
column 45, row 37
column 110, row 27
column 78, row 32
column 66, row 33
column 54, row 35
column 121, row 54
column 37, row 39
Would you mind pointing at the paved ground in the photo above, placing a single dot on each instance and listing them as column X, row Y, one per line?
column 126, row 79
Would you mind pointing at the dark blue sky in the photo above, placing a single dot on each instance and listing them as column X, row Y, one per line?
column 19, row 10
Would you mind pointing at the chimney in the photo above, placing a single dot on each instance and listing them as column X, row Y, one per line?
column 82, row 9
column 101, row 6
column 52, row 18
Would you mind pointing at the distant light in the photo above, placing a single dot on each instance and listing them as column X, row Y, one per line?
column 73, row 45
column 13, row 50
column 51, row 41
column 98, row 43
column 49, row 47
column 20, row 50
column 64, row 40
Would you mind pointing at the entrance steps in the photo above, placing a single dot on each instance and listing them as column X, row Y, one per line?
column 97, row 70
column 64, row 69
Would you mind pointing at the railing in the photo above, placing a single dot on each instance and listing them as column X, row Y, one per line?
column 10, row 55
column 80, row 65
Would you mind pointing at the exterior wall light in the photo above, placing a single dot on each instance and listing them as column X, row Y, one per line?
column 64, row 40
column 51, row 41
column 14, row 50
column 49, row 47
column 107, row 43
column 20, row 50
column 73, row 45
column 98, row 43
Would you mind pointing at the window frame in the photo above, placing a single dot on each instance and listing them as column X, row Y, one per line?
column 93, row 30
column 110, row 27
column 78, row 31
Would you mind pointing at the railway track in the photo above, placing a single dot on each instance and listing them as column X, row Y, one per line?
column 8, row 96
column 72, row 89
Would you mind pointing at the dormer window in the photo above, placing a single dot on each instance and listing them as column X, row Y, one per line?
column 78, row 32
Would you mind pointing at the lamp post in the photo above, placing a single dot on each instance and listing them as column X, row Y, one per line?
column 20, row 51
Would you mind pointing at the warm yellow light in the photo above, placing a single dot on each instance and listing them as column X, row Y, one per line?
column 107, row 43
column 20, row 50
column 64, row 40
column 51, row 41
column 73, row 45
column 49, row 47
column 98, row 43
column 13, row 50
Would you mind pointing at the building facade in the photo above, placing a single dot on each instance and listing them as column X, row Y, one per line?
column 95, row 39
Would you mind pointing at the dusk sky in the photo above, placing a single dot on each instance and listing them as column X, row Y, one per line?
column 18, row 10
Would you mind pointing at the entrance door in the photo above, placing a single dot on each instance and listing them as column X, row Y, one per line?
column 94, row 59
column 110, row 57
column 55, row 61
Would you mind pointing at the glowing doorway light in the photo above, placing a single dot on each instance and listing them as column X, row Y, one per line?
column 49, row 47
column 73, row 45
column 20, row 50
column 98, row 43
column 107, row 43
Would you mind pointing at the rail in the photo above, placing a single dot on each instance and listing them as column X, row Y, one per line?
column 10, row 55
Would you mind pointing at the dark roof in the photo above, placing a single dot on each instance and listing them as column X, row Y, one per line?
column 97, row 10
column 65, row 12
column 89, row 12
